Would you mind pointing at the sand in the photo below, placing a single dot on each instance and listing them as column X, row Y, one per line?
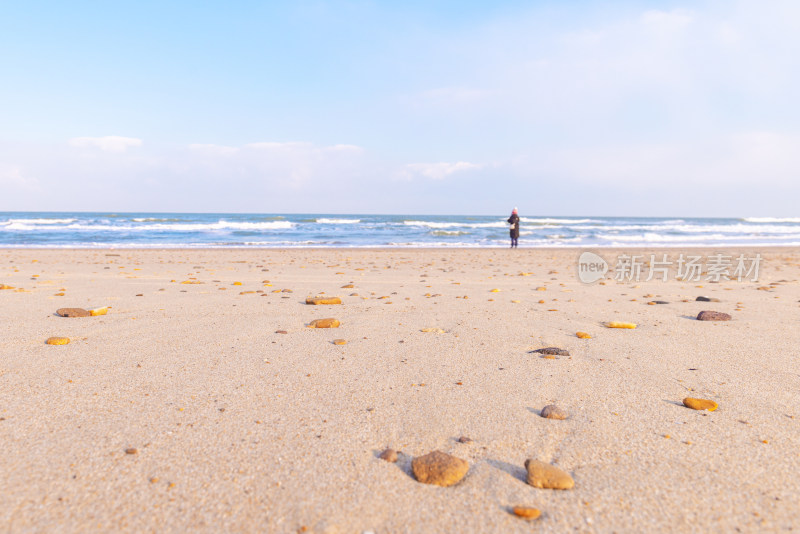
column 239, row 428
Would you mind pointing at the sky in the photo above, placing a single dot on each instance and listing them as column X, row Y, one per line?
column 615, row 108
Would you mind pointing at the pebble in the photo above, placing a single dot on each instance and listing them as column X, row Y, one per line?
column 4, row 286
column 700, row 404
column 323, row 300
column 707, row 315
column 281, row 332
column 434, row 330
column 552, row 351
column 618, row 324
column 546, row 476
column 390, row 455
column 131, row 450
column 526, row 512
column 57, row 340
column 464, row 439
column 98, row 311
column 340, row 342
column 325, row 323
column 73, row 312
column 439, row 468
column 551, row 411
column 583, row 335
column 706, row 299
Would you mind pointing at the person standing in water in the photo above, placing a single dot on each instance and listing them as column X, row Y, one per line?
column 514, row 222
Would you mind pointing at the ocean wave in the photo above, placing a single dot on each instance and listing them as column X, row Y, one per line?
column 11, row 222
column 430, row 224
column 651, row 237
column 558, row 221
column 337, row 221
column 448, row 232
column 178, row 227
column 772, row 219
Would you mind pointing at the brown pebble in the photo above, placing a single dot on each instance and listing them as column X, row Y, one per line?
column 281, row 332
column 340, row 342
column 390, row 455
column 526, row 512
column 700, row 404
column 324, row 323
column 464, row 439
column 708, row 315
column 73, row 312
column 323, row 300
column 439, row 468
column 131, row 451
column 546, row 476
column 551, row 411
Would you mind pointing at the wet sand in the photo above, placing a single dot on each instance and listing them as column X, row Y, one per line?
column 239, row 428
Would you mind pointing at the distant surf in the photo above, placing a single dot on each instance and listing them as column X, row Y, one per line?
column 195, row 230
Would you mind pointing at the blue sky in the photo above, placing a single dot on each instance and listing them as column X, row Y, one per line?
column 563, row 108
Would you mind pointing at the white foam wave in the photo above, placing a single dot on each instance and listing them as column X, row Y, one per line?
column 772, row 219
column 429, row 224
column 557, row 221
column 337, row 221
column 650, row 237
column 178, row 227
column 12, row 222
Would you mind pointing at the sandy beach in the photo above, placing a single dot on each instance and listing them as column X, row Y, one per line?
column 202, row 402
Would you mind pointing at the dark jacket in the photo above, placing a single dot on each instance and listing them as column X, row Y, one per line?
column 514, row 222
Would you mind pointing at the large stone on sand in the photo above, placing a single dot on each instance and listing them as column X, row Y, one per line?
column 546, row 476
column 708, row 315
column 439, row 468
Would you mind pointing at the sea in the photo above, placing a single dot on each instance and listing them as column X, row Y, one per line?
column 238, row 230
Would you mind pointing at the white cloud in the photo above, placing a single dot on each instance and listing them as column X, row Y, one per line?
column 11, row 178
column 220, row 150
column 109, row 143
column 441, row 170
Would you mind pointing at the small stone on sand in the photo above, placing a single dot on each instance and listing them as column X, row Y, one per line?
column 131, row 450
column 323, row 300
column 583, row 335
column 324, row 323
column 708, row 315
column 700, row 404
column 390, row 455
column 526, row 512
column 551, row 411
column 340, row 342
column 618, row 324
column 439, row 468
column 98, row 311
column 434, row 330
column 57, row 340
column 546, row 476
column 73, row 312
column 464, row 439
column 552, row 351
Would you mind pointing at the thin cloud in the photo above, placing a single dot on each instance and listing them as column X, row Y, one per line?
column 441, row 170
column 109, row 143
